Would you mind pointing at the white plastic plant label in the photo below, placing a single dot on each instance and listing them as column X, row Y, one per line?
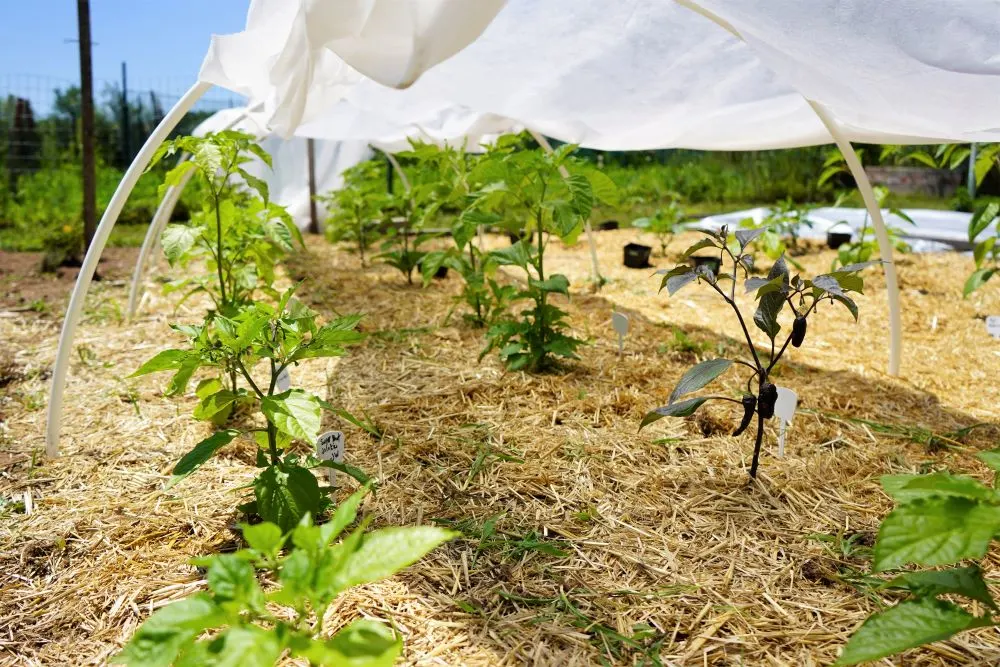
column 283, row 382
column 784, row 410
column 330, row 447
column 620, row 323
column 993, row 325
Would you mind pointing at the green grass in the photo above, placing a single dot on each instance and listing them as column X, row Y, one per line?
column 122, row 236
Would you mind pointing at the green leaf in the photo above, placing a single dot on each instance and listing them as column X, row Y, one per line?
column 582, row 196
column 285, row 495
column 202, row 452
column 964, row 581
column 977, row 280
column 177, row 240
column 747, row 236
column 604, row 189
column 212, row 405
column 258, row 184
column 164, row 361
column 161, row 638
column 684, row 408
column 363, row 643
column 849, row 303
column 178, row 383
column 700, row 375
column 903, row 488
column 207, row 387
column 703, row 243
column 990, row 458
column 677, row 282
column 517, row 254
column 264, row 537
column 935, row 531
column 344, row 516
column 982, row 219
column 384, row 552
column 244, row 646
column 907, row 625
column 557, row 283
column 766, row 315
column 232, row 579
column 295, row 412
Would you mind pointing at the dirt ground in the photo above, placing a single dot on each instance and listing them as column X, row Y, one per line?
column 24, row 287
column 585, row 541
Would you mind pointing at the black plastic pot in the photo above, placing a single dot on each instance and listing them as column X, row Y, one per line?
column 442, row 271
column 608, row 225
column 515, row 237
column 712, row 263
column 637, row 255
column 837, row 239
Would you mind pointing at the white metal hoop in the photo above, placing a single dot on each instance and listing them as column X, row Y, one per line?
column 83, row 280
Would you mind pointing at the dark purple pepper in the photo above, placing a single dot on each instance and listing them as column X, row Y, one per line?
column 749, row 404
column 798, row 331
column 768, row 397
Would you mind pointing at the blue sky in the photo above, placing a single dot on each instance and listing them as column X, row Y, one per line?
column 163, row 41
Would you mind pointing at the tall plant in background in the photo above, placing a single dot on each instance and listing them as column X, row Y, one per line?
column 864, row 246
column 239, row 237
column 939, row 519
column 663, row 224
column 773, row 293
column 240, row 617
column 276, row 337
column 357, row 206
column 528, row 185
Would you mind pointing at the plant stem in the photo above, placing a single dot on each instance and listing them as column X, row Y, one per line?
column 218, row 256
column 272, row 435
column 746, row 332
column 540, row 301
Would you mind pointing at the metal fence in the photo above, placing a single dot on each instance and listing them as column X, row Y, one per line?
column 40, row 120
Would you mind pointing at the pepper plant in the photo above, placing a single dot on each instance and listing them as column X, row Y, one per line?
column 529, row 184
column 940, row 519
column 237, row 623
column 773, row 293
column 865, row 245
column 356, row 207
column 239, row 237
column 277, row 337
column 986, row 246
column 663, row 224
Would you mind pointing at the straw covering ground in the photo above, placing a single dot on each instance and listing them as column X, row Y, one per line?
column 585, row 541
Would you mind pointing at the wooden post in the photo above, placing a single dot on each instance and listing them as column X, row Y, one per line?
column 87, row 124
column 313, row 214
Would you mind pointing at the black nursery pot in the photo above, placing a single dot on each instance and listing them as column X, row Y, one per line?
column 514, row 238
column 837, row 239
column 713, row 263
column 442, row 271
column 637, row 255
column 608, row 225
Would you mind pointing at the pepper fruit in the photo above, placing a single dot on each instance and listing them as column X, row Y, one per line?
column 798, row 331
column 749, row 405
column 768, row 397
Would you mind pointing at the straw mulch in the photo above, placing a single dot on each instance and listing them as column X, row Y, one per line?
column 607, row 545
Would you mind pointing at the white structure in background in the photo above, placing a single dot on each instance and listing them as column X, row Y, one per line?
column 629, row 74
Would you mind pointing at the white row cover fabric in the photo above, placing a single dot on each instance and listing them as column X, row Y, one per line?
column 635, row 74
column 931, row 231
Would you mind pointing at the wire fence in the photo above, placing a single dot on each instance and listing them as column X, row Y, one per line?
column 40, row 121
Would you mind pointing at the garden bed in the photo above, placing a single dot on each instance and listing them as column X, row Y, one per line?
column 584, row 538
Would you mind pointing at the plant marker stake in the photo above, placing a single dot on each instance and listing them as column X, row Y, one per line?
column 993, row 326
column 330, row 447
column 784, row 410
column 620, row 323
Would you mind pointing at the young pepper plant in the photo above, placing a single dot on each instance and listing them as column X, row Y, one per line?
column 939, row 519
column 237, row 623
column 773, row 293
column 663, row 224
column 530, row 183
column 357, row 206
column 279, row 337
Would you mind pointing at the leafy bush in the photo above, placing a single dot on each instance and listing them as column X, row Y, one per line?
column 529, row 186
column 865, row 246
column 357, row 207
column 245, row 627
column 939, row 519
column 285, row 490
column 664, row 223
column 773, row 293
